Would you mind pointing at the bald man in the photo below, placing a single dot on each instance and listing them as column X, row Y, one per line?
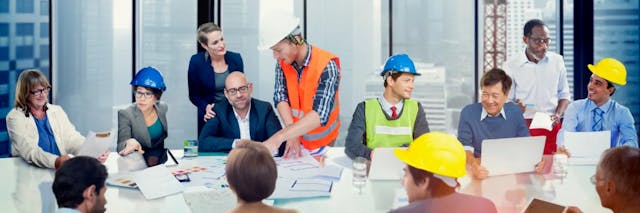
column 239, row 118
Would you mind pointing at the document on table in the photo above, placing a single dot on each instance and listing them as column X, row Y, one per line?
column 541, row 120
column 586, row 147
column 96, row 143
column 301, row 188
column 156, row 182
column 306, row 167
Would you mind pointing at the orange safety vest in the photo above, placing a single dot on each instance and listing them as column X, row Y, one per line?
column 301, row 96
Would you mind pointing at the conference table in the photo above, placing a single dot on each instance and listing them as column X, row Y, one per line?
column 26, row 188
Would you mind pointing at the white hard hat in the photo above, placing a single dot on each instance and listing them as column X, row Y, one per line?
column 276, row 25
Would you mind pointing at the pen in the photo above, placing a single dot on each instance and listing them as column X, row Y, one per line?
column 172, row 157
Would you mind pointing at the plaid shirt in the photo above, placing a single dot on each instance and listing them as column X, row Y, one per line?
column 327, row 87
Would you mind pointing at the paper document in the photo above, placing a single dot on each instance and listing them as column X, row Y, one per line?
column 306, row 167
column 205, row 199
column 586, row 147
column 96, row 143
column 301, row 188
column 156, row 182
column 511, row 155
column 541, row 120
column 122, row 180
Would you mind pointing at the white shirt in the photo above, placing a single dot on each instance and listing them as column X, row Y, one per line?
column 243, row 126
column 386, row 106
column 538, row 85
column 484, row 114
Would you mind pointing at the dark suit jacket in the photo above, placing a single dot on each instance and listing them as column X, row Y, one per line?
column 202, row 80
column 220, row 131
column 131, row 125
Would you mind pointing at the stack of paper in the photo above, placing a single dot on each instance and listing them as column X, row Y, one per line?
column 541, row 120
column 156, row 182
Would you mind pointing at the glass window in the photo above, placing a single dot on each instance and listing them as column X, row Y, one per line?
column 93, row 67
column 166, row 40
column 616, row 35
column 442, row 53
column 24, row 6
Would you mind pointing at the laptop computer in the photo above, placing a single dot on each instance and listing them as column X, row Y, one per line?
column 385, row 165
column 511, row 155
column 586, row 147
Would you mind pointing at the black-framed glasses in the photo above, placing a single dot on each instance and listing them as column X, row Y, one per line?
column 540, row 41
column 146, row 95
column 40, row 91
column 242, row 89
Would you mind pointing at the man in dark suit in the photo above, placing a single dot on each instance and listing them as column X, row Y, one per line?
column 238, row 119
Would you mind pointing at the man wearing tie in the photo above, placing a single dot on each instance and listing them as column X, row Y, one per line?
column 237, row 118
column 598, row 112
column 389, row 121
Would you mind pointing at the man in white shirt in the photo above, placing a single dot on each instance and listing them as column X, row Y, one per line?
column 539, row 81
column 237, row 118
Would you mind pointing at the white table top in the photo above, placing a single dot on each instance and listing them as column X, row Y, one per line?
column 20, row 192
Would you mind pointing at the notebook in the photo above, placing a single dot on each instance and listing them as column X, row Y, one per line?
column 511, row 155
column 385, row 165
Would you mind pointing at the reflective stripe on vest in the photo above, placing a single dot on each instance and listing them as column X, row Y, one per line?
column 301, row 92
column 381, row 132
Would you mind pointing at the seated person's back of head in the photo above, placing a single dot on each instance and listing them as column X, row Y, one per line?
column 251, row 173
column 80, row 184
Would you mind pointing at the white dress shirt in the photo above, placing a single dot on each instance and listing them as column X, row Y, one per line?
column 538, row 85
column 243, row 126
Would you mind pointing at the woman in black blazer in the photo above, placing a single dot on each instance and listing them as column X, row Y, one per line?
column 208, row 71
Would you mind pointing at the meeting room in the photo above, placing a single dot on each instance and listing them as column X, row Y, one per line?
column 319, row 106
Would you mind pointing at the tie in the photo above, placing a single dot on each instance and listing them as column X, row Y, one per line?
column 394, row 114
column 597, row 119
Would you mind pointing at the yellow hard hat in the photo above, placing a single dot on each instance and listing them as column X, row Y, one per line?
column 435, row 152
column 610, row 69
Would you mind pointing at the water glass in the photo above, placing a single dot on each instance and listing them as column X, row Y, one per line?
column 560, row 162
column 190, row 148
column 359, row 172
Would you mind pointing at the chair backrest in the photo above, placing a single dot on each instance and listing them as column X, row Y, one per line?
column 114, row 124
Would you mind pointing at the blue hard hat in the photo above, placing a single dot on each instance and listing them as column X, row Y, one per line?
column 149, row 77
column 399, row 63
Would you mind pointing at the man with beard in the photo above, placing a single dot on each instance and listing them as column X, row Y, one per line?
column 598, row 112
column 79, row 186
column 539, row 81
column 238, row 118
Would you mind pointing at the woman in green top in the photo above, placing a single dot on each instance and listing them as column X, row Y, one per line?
column 142, row 126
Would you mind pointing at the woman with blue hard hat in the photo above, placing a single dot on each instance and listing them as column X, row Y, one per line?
column 142, row 126
column 435, row 161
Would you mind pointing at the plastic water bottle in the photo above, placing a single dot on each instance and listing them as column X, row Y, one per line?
column 190, row 148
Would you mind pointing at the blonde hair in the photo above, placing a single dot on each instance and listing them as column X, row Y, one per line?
column 206, row 28
column 28, row 80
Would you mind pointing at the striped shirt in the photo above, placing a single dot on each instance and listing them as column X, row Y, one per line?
column 327, row 87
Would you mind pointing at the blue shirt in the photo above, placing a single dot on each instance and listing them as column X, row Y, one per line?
column 325, row 93
column 476, row 125
column 617, row 118
column 46, row 141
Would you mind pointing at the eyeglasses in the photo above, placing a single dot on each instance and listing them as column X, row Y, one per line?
column 40, row 91
column 143, row 94
column 540, row 41
column 485, row 96
column 242, row 89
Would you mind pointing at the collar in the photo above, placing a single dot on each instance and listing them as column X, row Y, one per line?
column 522, row 58
column 484, row 114
column 605, row 107
column 306, row 59
column 386, row 105
column 238, row 116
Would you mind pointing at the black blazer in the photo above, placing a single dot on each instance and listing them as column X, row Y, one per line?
column 202, row 80
column 220, row 131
